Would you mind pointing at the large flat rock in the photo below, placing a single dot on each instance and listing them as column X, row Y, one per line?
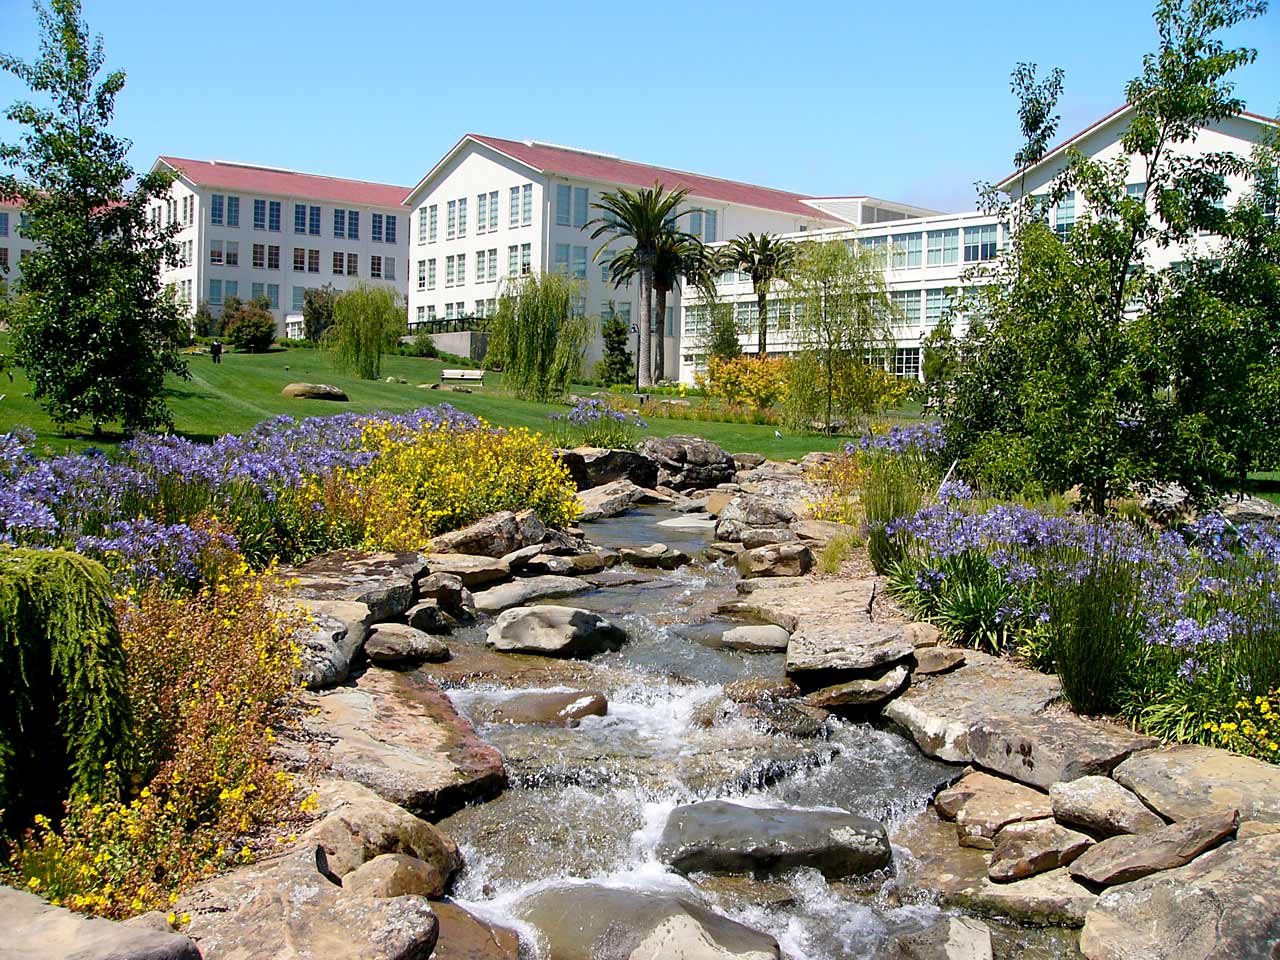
column 940, row 711
column 385, row 582
column 471, row 570
column 1220, row 906
column 983, row 805
column 403, row 739
column 34, row 929
column 790, row 601
column 517, row 593
column 609, row 500
column 1101, row 806
column 493, row 536
column 328, row 643
column 1187, row 781
column 1125, row 858
column 821, row 654
column 1042, row 750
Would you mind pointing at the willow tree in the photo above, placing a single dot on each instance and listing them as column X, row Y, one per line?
column 537, row 337
column 367, row 321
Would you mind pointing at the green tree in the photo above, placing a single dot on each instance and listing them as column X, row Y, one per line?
column 94, row 331
column 248, row 326
column 768, row 259
column 535, row 336
column 367, row 322
column 642, row 216
column 317, row 311
column 616, row 364
column 1037, row 100
column 203, row 321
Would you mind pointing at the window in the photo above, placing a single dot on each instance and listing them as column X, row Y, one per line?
column 231, row 288
column 339, row 224
column 513, row 217
column 480, row 260
column 388, row 268
column 671, row 321
column 431, row 274
column 432, row 223
column 313, row 222
column 257, row 290
column 421, row 315
column 299, row 218
column 422, row 274
column 273, row 257
column 259, row 214
column 779, row 315
column 215, row 251
column 938, row 303
column 273, row 295
column 482, row 212
column 4, row 224
column 339, row 263
column 695, row 223
column 353, row 264
column 448, row 311
column 353, row 224
column 4, row 258
column 908, row 304
column 944, row 247
column 217, row 204
column 878, row 246
column 1065, row 217
column 513, row 260
column 451, row 220
column 979, row 243
column 375, row 227
column 299, row 258
column 564, row 197
column 299, row 297
column 709, row 226
column 906, row 250
column 1135, row 190
column 391, row 228
column 450, row 268
column 215, row 291
column 526, row 205
column 561, row 259
column 422, row 225
column 273, row 216
column 462, row 269
column 233, row 211
column 259, row 256
column 906, row 363
column 313, row 261
column 580, row 263
column 375, row 266
column 526, row 259
column 233, row 253
column 479, row 311
column 462, row 218
column 431, row 311
column 605, row 259
column 493, row 263
column 580, row 197
column 493, row 210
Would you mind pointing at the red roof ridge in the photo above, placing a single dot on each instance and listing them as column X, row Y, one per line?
column 238, row 175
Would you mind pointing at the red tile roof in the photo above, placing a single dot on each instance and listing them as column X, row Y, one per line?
column 251, row 179
column 591, row 166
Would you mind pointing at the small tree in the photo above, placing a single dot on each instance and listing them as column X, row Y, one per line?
column 616, row 364
column 203, row 322
column 535, row 336
column 248, row 326
column 95, row 332
column 317, row 311
column 367, row 321
column 768, row 259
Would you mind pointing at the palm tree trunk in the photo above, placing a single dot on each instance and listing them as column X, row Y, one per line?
column 762, row 299
column 660, row 346
column 645, row 358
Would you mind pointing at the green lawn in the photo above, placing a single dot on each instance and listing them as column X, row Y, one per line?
column 245, row 389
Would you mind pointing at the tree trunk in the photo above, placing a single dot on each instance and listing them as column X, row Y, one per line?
column 660, row 345
column 762, row 320
column 644, row 358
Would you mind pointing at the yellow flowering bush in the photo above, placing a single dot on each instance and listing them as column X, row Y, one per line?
column 759, row 381
column 1253, row 729
column 840, row 481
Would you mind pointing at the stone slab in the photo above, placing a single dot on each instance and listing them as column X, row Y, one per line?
column 1186, row 780
column 1041, row 750
column 521, row 592
column 34, row 929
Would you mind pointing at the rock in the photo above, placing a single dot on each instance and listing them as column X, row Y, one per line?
column 520, row 592
column 545, row 563
column 471, row 571
column 757, row 511
column 755, row 638
column 448, row 590
column 314, row 391
column 327, row 645
column 1129, row 857
column 401, row 737
column 1255, row 828
column 427, row 617
column 493, row 536
column 1025, row 848
column 555, row 632
column 717, row 500
column 982, row 805
column 400, row 645
column 860, row 694
column 687, row 521
column 715, row 836
column 1242, row 509
column 1220, row 906
column 1042, row 750
column 931, row 660
column 384, row 582
column 754, row 537
column 745, row 461
column 36, row 930
column 1185, row 781
column 922, row 634
column 287, row 908
column 827, row 655
column 755, row 689
column 780, row 560
column 536, row 706
column 464, row 936
column 595, row 466
column 823, row 532
column 683, row 504
column 752, row 584
column 685, row 462
column 939, row 711
column 657, row 555
column 788, row 718
column 609, row 500
column 1101, row 806
column 951, row 938
column 394, row 875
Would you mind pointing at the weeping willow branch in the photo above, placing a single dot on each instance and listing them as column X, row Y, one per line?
column 366, row 322
column 535, row 336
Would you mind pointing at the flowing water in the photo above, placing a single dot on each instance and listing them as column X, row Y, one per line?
column 589, row 802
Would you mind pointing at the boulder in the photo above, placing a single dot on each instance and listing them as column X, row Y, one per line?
column 384, row 582
column 1256, row 828
column 779, row 560
column 1185, row 781
column 555, row 632
column 314, row 391
column 787, row 718
column 426, row 616
column 745, row 461
column 590, row 921
column 1129, row 857
column 1101, row 806
column 36, row 930
column 1028, row 847
column 717, row 500
column 328, row 643
column 931, row 660
column 464, row 936
column 1041, row 750
column 471, row 571
column 686, row 463
column 715, row 836
column 520, row 592
column 951, row 938
column 656, row 555
column 823, row 532
column 394, row 875
column 982, row 805
column 755, row 689
column 1249, row 509
column 827, row 654
column 537, row 706
column 446, row 589
column 766, row 638
column 1220, row 906
column 493, row 536
column 860, row 694
column 921, row 634
column 754, row 537
column 543, row 564
column 757, row 511
column 400, row 645
column 609, row 500
column 595, row 466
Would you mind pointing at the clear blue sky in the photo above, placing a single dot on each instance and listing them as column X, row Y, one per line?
column 908, row 101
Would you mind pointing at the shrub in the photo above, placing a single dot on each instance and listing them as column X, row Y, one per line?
column 841, row 481
column 593, row 423
column 367, row 322
column 617, row 364
column 248, row 326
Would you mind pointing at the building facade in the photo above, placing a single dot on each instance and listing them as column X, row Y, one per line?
column 14, row 247
column 250, row 231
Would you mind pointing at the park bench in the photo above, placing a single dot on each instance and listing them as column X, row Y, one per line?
column 474, row 376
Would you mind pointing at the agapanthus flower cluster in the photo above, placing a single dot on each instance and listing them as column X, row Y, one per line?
column 138, row 551
column 924, row 439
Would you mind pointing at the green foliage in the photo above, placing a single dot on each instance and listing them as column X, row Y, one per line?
column 722, row 331
column 317, row 311
column 768, row 259
column 895, row 486
column 965, row 596
column 94, row 331
column 616, row 364
column 1036, row 102
column 64, row 718
column 535, row 337
column 248, row 326
column 203, row 322
column 1002, row 465
column 367, row 322
column 421, row 346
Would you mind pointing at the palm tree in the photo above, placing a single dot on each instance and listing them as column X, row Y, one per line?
column 766, row 258
column 641, row 216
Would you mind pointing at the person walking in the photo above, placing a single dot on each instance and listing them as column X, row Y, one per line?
column 215, row 351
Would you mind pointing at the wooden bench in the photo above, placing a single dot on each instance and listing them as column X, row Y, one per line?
column 473, row 376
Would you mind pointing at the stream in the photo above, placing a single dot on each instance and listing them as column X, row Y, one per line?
column 589, row 802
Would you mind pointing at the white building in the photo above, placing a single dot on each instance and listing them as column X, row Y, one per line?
column 14, row 247
column 250, row 231
column 927, row 258
column 492, row 208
